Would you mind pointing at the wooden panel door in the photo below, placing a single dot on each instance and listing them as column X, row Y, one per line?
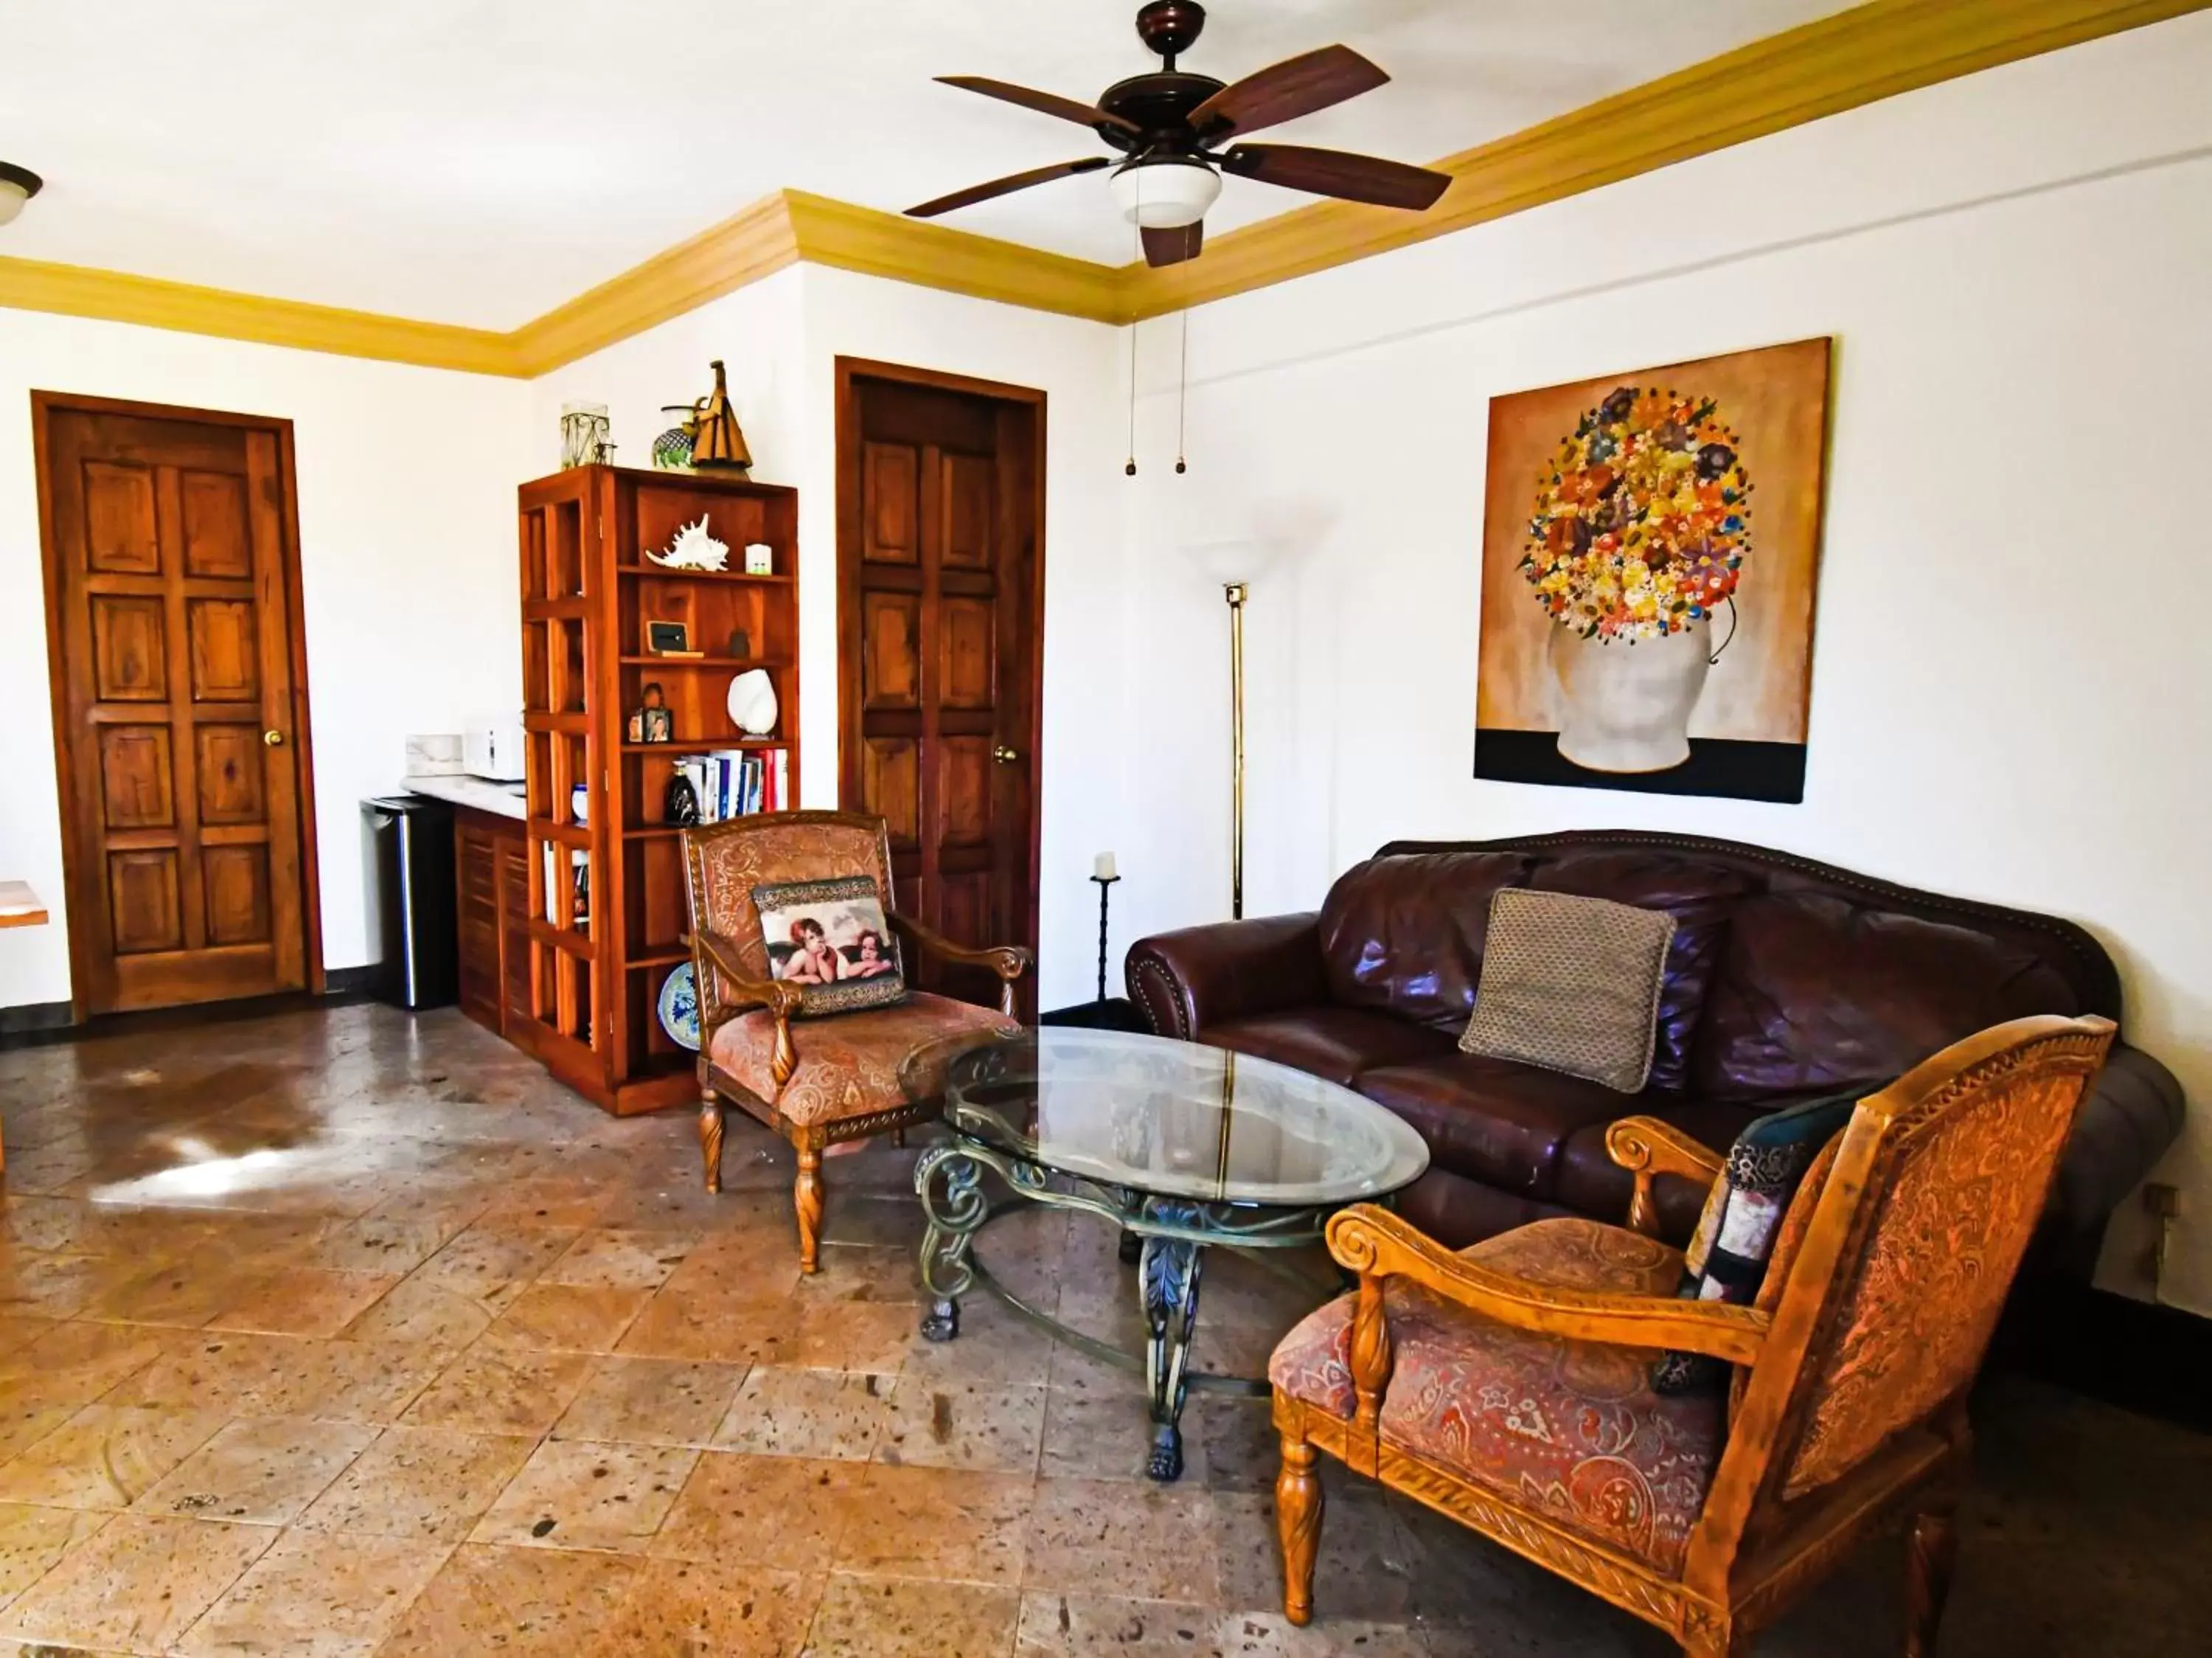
column 940, row 516
column 179, row 706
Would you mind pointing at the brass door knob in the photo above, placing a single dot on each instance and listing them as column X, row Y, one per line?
column 274, row 739
column 1003, row 755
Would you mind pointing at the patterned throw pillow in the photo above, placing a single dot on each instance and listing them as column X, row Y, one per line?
column 829, row 938
column 1727, row 1258
column 1572, row 984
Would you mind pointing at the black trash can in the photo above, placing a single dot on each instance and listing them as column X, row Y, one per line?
column 420, row 964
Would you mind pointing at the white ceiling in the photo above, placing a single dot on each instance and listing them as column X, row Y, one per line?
column 481, row 161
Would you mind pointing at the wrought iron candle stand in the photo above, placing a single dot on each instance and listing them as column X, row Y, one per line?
column 1104, row 882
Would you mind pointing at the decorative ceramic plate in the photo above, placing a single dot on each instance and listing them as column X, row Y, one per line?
column 679, row 1007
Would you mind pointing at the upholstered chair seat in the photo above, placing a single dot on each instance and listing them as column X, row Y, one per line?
column 1570, row 1427
column 851, row 1066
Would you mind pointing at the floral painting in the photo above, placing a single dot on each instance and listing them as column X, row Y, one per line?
column 1650, row 546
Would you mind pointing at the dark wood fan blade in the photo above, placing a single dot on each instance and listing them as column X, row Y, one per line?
column 1045, row 103
column 1007, row 186
column 1297, row 86
column 1173, row 247
column 1337, row 173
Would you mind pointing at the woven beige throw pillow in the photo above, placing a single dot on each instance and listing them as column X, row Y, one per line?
column 1572, row 984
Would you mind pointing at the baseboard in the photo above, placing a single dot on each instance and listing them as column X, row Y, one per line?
column 2155, row 1361
column 35, row 1024
column 33, row 1017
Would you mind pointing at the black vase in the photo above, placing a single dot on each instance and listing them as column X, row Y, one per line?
column 681, row 805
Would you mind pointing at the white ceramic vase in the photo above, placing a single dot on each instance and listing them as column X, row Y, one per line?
column 1626, row 707
column 752, row 702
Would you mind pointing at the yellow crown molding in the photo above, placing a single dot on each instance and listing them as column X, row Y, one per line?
column 742, row 249
column 1870, row 51
column 879, row 244
column 77, row 290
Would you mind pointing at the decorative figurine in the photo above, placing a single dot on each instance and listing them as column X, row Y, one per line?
column 584, row 431
column 680, row 805
column 693, row 549
column 760, row 559
column 718, row 446
column 652, row 722
column 671, row 450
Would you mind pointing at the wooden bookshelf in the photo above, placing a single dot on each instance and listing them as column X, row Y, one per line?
column 592, row 979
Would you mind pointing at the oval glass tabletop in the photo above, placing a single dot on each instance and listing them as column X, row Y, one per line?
column 1174, row 1119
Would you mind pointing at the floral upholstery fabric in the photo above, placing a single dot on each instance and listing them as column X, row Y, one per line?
column 848, row 1066
column 728, row 860
column 1952, row 1221
column 1570, row 1429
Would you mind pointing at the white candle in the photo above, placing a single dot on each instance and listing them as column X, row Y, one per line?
column 1101, row 867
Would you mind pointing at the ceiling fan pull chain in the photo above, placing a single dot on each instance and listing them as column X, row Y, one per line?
column 1182, row 373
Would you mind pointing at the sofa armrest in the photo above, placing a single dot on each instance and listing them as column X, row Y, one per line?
column 1199, row 976
column 2132, row 1113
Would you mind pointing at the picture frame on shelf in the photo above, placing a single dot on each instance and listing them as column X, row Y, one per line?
column 664, row 638
column 652, row 721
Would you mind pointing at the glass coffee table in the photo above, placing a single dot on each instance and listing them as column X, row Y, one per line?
column 1181, row 1147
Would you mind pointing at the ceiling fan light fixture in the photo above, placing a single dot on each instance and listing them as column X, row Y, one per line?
column 1165, row 193
column 17, row 186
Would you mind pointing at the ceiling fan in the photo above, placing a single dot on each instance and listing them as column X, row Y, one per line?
column 1169, row 125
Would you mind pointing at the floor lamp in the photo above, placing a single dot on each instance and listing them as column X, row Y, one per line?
column 1234, row 592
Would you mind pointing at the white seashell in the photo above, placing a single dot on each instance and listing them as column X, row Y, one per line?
column 693, row 549
column 752, row 702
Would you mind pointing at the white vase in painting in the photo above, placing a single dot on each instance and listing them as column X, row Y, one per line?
column 1625, row 706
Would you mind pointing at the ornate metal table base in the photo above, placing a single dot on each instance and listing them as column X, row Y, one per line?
column 1170, row 1234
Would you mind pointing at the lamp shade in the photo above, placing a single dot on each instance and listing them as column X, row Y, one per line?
column 17, row 186
column 1165, row 193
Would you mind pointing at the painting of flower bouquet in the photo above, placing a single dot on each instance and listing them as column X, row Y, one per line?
column 1650, row 546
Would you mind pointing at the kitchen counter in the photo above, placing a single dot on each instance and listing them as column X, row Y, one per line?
column 479, row 794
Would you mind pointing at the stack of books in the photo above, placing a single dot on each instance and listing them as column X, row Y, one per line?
column 733, row 782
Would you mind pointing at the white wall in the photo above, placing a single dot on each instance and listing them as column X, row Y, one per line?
column 407, row 561
column 2009, row 694
column 779, row 340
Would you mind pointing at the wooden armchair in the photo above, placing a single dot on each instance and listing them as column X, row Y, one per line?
column 1509, row 1385
column 823, row 1081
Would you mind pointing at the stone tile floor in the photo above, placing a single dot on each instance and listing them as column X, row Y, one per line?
column 345, row 1332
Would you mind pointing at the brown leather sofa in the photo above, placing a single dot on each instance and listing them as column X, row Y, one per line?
column 1788, row 978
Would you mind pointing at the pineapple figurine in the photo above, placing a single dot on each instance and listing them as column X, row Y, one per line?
column 719, row 445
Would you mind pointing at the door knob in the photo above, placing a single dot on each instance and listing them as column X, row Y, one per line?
column 1003, row 755
column 274, row 739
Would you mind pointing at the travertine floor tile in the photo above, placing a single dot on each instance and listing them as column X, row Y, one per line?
column 1151, row 1542
column 577, row 1494
column 77, row 1362
column 782, row 1411
column 433, row 1483
column 106, row 1456
column 262, row 1471
column 492, row 1389
column 943, row 1524
column 713, row 1325
column 652, row 1402
column 522, row 1603
column 570, row 1317
column 33, row 1538
column 788, row 1512
column 622, row 1259
column 1080, row 1626
column 687, row 1609
column 317, row 1595
column 136, row 1584
column 902, row 1618
column 302, row 1300
column 959, row 1425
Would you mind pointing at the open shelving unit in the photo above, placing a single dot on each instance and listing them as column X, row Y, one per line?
column 600, row 949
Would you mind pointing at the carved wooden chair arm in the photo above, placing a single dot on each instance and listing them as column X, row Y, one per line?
column 735, row 992
column 1649, row 1148
column 1378, row 1245
column 1009, row 961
